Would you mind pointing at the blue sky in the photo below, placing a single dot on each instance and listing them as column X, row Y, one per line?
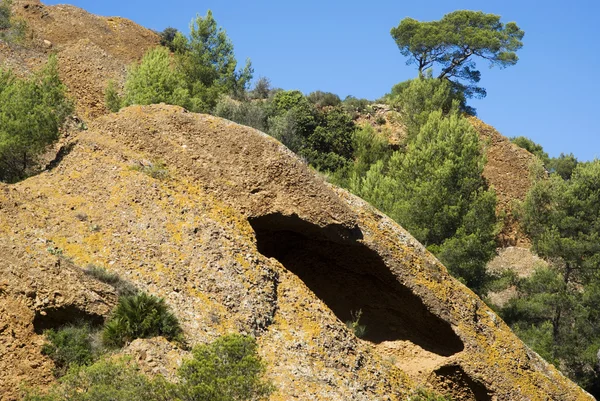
column 345, row 47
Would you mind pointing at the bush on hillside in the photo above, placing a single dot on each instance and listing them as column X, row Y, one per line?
column 202, row 68
column 330, row 145
column 417, row 98
column 251, row 113
column 228, row 369
column 563, row 165
column 355, row 106
column 32, row 111
column 111, row 97
column 108, row 379
column 167, row 37
column 5, row 15
column 70, row 345
column 262, row 89
column 324, row 99
column 140, row 316
column 532, row 147
column 155, row 80
column 11, row 30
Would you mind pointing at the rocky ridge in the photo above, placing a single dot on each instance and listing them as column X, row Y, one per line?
column 242, row 237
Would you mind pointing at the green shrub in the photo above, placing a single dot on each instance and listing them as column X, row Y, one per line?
column 123, row 287
column 106, row 380
column 155, row 169
column 5, row 14
column 32, row 111
column 67, row 346
column 355, row 106
column 262, row 89
column 140, row 316
column 531, row 147
column 417, row 98
column 11, row 30
column 111, row 97
column 563, row 165
column 228, row 369
column 156, row 80
column 285, row 128
column 167, row 38
column 250, row 113
column 324, row 99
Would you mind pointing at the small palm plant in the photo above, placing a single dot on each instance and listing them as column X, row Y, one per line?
column 141, row 316
column 358, row 329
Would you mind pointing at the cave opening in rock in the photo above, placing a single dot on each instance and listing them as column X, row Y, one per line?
column 54, row 318
column 456, row 382
column 348, row 277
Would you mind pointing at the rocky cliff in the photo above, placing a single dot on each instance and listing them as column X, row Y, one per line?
column 242, row 237
column 238, row 235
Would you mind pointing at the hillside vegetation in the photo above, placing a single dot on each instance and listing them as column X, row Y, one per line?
column 432, row 181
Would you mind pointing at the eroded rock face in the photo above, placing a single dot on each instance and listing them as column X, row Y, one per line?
column 507, row 170
column 242, row 237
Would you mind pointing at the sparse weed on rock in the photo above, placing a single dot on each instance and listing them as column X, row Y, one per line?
column 123, row 287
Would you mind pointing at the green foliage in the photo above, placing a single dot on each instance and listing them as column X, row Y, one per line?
column 229, row 369
column 358, row 329
column 324, row 99
column 155, row 80
column 31, row 113
column 355, row 106
column 167, row 38
column 202, row 69
column 106, row 380
column 324, row 137
column 5, row 14
column 111, row 97
column 556, row 311
column 262, row 89
column 454, row 41
column 156, row 169
column 285, row 128
column 292, row 119
column 531, row 147
column 435, row 190
column 563, row 165
column 140, row 316
column 11, row 30
column 208, row 64
column 70, row 345
column 123, row 287
column 330, row 145
column 417, row 98
column 253, row 113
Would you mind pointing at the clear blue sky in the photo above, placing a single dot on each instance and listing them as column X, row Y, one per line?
column 551, row 95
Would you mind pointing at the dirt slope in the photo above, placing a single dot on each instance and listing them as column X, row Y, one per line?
column 242, row 237
column 92, row 50
column 507, row 170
